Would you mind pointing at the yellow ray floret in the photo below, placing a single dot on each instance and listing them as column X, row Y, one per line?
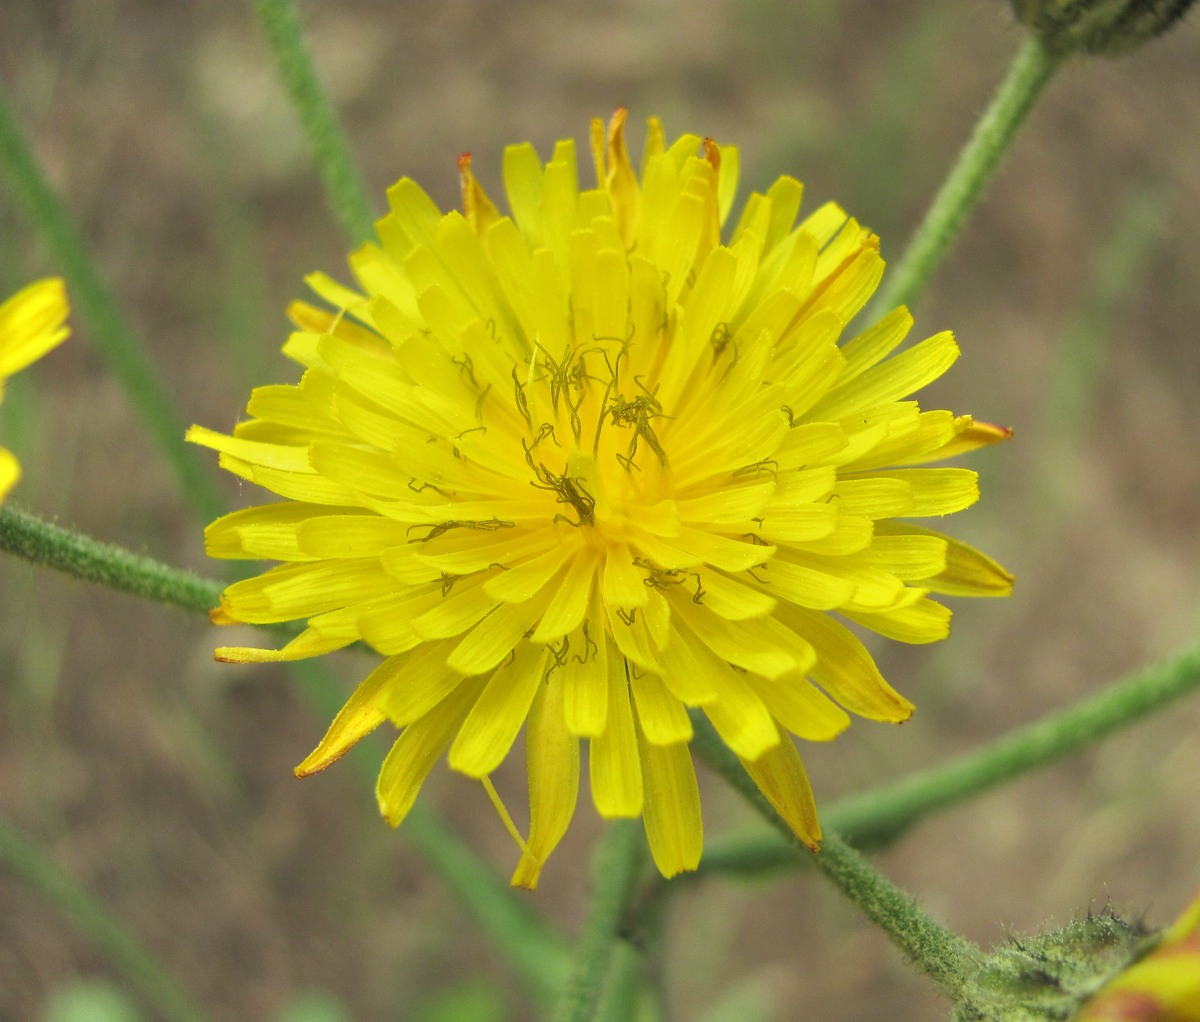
column 32, row 322
column 585, row 469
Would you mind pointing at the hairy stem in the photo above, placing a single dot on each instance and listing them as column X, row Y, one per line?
column 876, row 817
column 1030, row 72
column 40, row 542
column 344, row 187
column 949, row 960
column 880, row 815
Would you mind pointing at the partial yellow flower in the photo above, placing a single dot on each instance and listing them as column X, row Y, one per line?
column 584, row 466
column 31, row 323
column 1162, row 987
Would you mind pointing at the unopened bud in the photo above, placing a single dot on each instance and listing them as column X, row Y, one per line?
column 1048, row 976
column 1110, row 27
column 1162, row 987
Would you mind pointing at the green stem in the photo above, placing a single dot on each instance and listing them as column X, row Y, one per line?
column 879, row 816
column 614, row 869
column 343, row 185
column 623, row 998
column 121, row 349
column 708, row 745
column 1031, row 70
column 93, row 920
column 76, row 554
column 949, row 960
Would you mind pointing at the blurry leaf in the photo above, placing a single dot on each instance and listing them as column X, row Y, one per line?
column 90, row 1001
column 471, row 1002
column 313, row 1008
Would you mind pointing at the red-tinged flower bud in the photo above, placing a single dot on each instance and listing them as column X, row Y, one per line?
column 1164, row 986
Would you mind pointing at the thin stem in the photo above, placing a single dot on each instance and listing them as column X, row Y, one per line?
column 1031, row 70
column 878, row 816
column 636, row 984
column 614, row 869
column 75, row 554
column 949, row 960
column 93, row 920
column 125, row 354
column 623, row 998
column 344, row 187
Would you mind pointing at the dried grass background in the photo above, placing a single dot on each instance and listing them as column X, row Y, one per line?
column 163, row 781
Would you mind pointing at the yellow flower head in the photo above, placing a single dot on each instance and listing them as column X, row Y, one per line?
column 31, row 323
column 584, row 466
column 1162, row 987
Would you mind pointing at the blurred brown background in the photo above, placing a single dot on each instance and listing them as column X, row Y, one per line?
column 163, row 781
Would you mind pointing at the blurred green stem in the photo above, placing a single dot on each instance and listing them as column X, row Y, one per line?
column 948, row 959
column 1118, row 274
column 120, row 348
column 92, row 919
column 1030, row 72
column 614, row 871
column 343, row 185
column 879, row 816
column 536, row 951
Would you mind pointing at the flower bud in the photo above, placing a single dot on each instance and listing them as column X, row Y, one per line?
column 1110, row 27
column 1047, row 976
column 1164, row 986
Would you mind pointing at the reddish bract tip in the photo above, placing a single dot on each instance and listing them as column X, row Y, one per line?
column 221, row 616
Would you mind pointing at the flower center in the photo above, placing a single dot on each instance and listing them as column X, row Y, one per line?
column 594, row 436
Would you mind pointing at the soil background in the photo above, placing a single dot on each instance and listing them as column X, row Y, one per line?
column 163, row 781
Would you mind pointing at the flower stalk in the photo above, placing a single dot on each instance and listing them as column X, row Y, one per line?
column 73, row 553
column 949, row 960
column 1028, row 75
column 879, row 816
column 344, row 187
